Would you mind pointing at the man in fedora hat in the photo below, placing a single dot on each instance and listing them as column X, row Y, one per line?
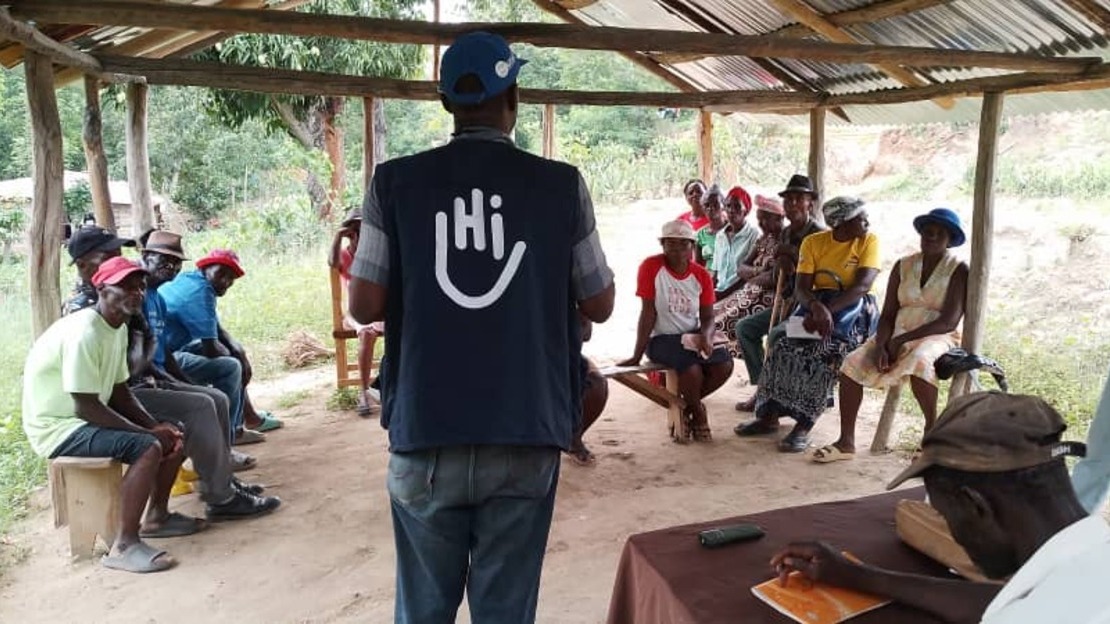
column 798, row 199
column 994, row 468
column 481, row 250
column 166, row 391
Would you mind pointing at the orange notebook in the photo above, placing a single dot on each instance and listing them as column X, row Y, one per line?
column 815, row 603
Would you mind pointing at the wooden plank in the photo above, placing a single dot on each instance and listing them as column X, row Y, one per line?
column 705, row 146
column 45, row 233
column 973, row 87
column 95, row 160
column 138, row 160
column 193, row 17
column 268, row 80
column 31, row 39
column 870, row 13
column 1092, row 11
column 644, row 388
column 814, row 20
column 816, row 168
column 982, row 235
column 549, row 131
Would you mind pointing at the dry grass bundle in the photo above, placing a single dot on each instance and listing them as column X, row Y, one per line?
column 302, row 349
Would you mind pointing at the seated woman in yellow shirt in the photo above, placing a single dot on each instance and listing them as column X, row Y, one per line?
column 836, row 271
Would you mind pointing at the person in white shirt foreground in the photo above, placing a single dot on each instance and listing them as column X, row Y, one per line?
column 994, row 468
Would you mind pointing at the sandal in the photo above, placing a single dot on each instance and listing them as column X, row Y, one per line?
column 247, row 436
column 175, row 525
column 581, row 455
column 241, row 461
column 796, row 441
column 746, row 406
column 759, row 426
column 269, row 422
column 829, row 453
column 139, row 557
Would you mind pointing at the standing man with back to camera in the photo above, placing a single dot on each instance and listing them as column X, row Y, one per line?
column 481, row 254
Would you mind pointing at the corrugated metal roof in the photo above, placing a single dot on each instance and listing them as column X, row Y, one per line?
column 1047, row 27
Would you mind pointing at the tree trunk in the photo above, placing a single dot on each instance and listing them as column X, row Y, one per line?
column 138, row 161
column 380, row 131
column 45, row 236
column 333, row 147
column 95, row 160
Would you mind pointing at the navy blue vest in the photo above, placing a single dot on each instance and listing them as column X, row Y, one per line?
column 482, row 339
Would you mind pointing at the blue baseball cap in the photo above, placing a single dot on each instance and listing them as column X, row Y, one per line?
column 485, row 55
column 947, row 219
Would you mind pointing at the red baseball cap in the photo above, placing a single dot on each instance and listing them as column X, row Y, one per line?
column 115, row 270
column 225, row 257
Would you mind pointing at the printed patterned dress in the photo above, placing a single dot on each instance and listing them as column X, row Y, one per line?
column 917, row 306
column 749, row 299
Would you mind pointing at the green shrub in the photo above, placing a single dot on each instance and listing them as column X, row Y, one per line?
column 77, row 201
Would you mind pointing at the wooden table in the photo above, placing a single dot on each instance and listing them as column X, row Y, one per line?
column 666, row 577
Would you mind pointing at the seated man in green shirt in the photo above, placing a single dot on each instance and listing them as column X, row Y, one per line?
column 76, row 403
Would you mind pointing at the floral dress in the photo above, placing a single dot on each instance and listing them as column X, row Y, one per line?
column 917, row 305
column 749, row 299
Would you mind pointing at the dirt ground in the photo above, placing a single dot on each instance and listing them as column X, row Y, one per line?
column 327, row 554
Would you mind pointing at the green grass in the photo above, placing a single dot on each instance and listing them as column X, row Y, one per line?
column 292, row 399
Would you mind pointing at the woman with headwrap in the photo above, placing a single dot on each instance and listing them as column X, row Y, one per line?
column 734, row 243
column 757, row 272
column 836, row 272
column 693, row 192
column 924, row 303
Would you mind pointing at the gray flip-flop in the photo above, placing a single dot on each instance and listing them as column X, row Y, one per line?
column 176, row 525
column 140, row 558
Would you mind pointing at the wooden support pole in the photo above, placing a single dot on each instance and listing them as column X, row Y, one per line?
column 138, row 161
column 45, row 235
column 435, row 48
column 549, row 131
column 576, row 36
column 982, row 233
column 369, row 143
column 705, row 146
column 817, row 155
column 95, row 160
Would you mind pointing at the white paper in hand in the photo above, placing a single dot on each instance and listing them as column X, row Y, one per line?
column 794, row 329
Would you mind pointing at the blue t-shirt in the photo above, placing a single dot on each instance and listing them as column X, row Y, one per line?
column 190, row 304
column 154, row 310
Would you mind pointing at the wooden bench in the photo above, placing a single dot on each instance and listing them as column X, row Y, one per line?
column 85, row 493
column 634, row 378
column 346, row 371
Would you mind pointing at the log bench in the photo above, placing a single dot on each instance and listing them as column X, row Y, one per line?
column 635, row 378
column 85, row 494
column 346, row 371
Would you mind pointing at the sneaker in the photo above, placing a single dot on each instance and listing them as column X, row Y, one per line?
column 242, row 505
column 249, row 488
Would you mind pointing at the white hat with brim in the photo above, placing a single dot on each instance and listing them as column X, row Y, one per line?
column 678, row 229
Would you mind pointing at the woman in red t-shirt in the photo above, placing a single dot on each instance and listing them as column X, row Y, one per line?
column 694, row 191
column 676, row 324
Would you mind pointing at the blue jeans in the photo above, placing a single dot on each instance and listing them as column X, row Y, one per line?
column 473, row 518
column 222, row 373
column 1091, row 477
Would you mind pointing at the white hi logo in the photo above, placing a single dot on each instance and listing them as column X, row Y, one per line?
column 475, row 221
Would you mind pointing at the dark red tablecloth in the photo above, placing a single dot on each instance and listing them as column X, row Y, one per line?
column 667, row 577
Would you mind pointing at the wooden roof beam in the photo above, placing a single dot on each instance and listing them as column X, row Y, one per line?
column 193, row 17
column 806, row 15
column 975, row 87
column 31, row 39
column 184, row 72
column 1093, row 11
column 872, row 13
column 559, row 10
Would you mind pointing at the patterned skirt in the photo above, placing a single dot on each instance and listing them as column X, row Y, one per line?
column 799, row 376
column 749, row 299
